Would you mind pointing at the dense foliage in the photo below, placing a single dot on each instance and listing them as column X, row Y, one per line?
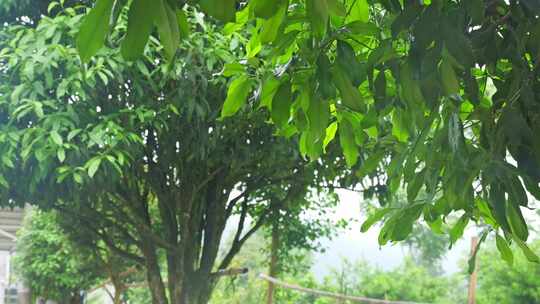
column 134, row 153
column 52, row 265
column 499, row 282
column 438, row 95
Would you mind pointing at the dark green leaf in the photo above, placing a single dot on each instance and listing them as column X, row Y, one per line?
column 281, row 104
column 317, row 10
column 168, row 28
column 449, row 79
column 504, row 249
column 223, row 10
column 529, row 254
column 350, row 95
column 516, row 221
column 457, row 230
column 348, row 144
column 265, row 8
column 140, row 25
column 93, row 30
column 271, row 27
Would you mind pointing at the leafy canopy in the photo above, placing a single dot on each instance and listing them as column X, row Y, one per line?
column 438, row 95
column 134, row 153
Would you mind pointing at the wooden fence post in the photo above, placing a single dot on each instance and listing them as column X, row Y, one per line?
column 473, row 277
column 273, row 260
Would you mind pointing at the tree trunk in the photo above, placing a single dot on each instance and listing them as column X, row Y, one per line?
column 153, row 274
column 75, row 297
column 273, row 261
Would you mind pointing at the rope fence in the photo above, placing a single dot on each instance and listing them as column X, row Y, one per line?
column 328, row 294
column 282, row 284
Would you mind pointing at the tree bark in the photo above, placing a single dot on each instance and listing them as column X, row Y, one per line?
column 153, row 274
column 273, row 268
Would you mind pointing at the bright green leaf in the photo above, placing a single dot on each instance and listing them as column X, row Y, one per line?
column 236, row 96
column 93, row 166
column 56, row 138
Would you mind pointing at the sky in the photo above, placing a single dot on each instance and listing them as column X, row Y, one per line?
column 354, row 245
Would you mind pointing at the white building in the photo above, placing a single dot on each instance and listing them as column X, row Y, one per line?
column 10, row 222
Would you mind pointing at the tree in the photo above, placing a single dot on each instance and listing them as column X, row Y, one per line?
column 136, row 154
column 50, row 263
column 408, row 282
column 438, row 94
column 247, row 289
column 499, row 282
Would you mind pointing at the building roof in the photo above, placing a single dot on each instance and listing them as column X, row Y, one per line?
column 10, row 222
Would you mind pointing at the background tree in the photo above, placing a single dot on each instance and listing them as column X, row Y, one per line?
column 439, row 94
column 50, row 263
column 135, row 152
column 499, row 282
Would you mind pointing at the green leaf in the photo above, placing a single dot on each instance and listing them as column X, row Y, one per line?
column 401, row 223
column 362, row 28
column 265, row 8
column 358, row 10
column 324, row 77
column 140, row 25
column 330, row 134
column 93, row 30
column 271, row 27
column 457, row 231
column 224, row 10
column 407, row 17
column 399, row 126
column 56, row 138
column 476, row 10
column 449, row 79
column 318, row 114
column 336, row 7
column 410, row 86
column 73, row 133
column 236, row 96
column 348, row 144
column 61, row 154
column 281, row 104
column 77, row 177
column 516, row 221
column 370, row 164
column 529, row 254
column 269, row 89
column 168, row 28
column 504, row 249
column 183, row 23
column 233, row 68
column 472, row 258
column 93, row 166
column 375, row 217
column 350, row 95
column 415, row 185
column 317, row 10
